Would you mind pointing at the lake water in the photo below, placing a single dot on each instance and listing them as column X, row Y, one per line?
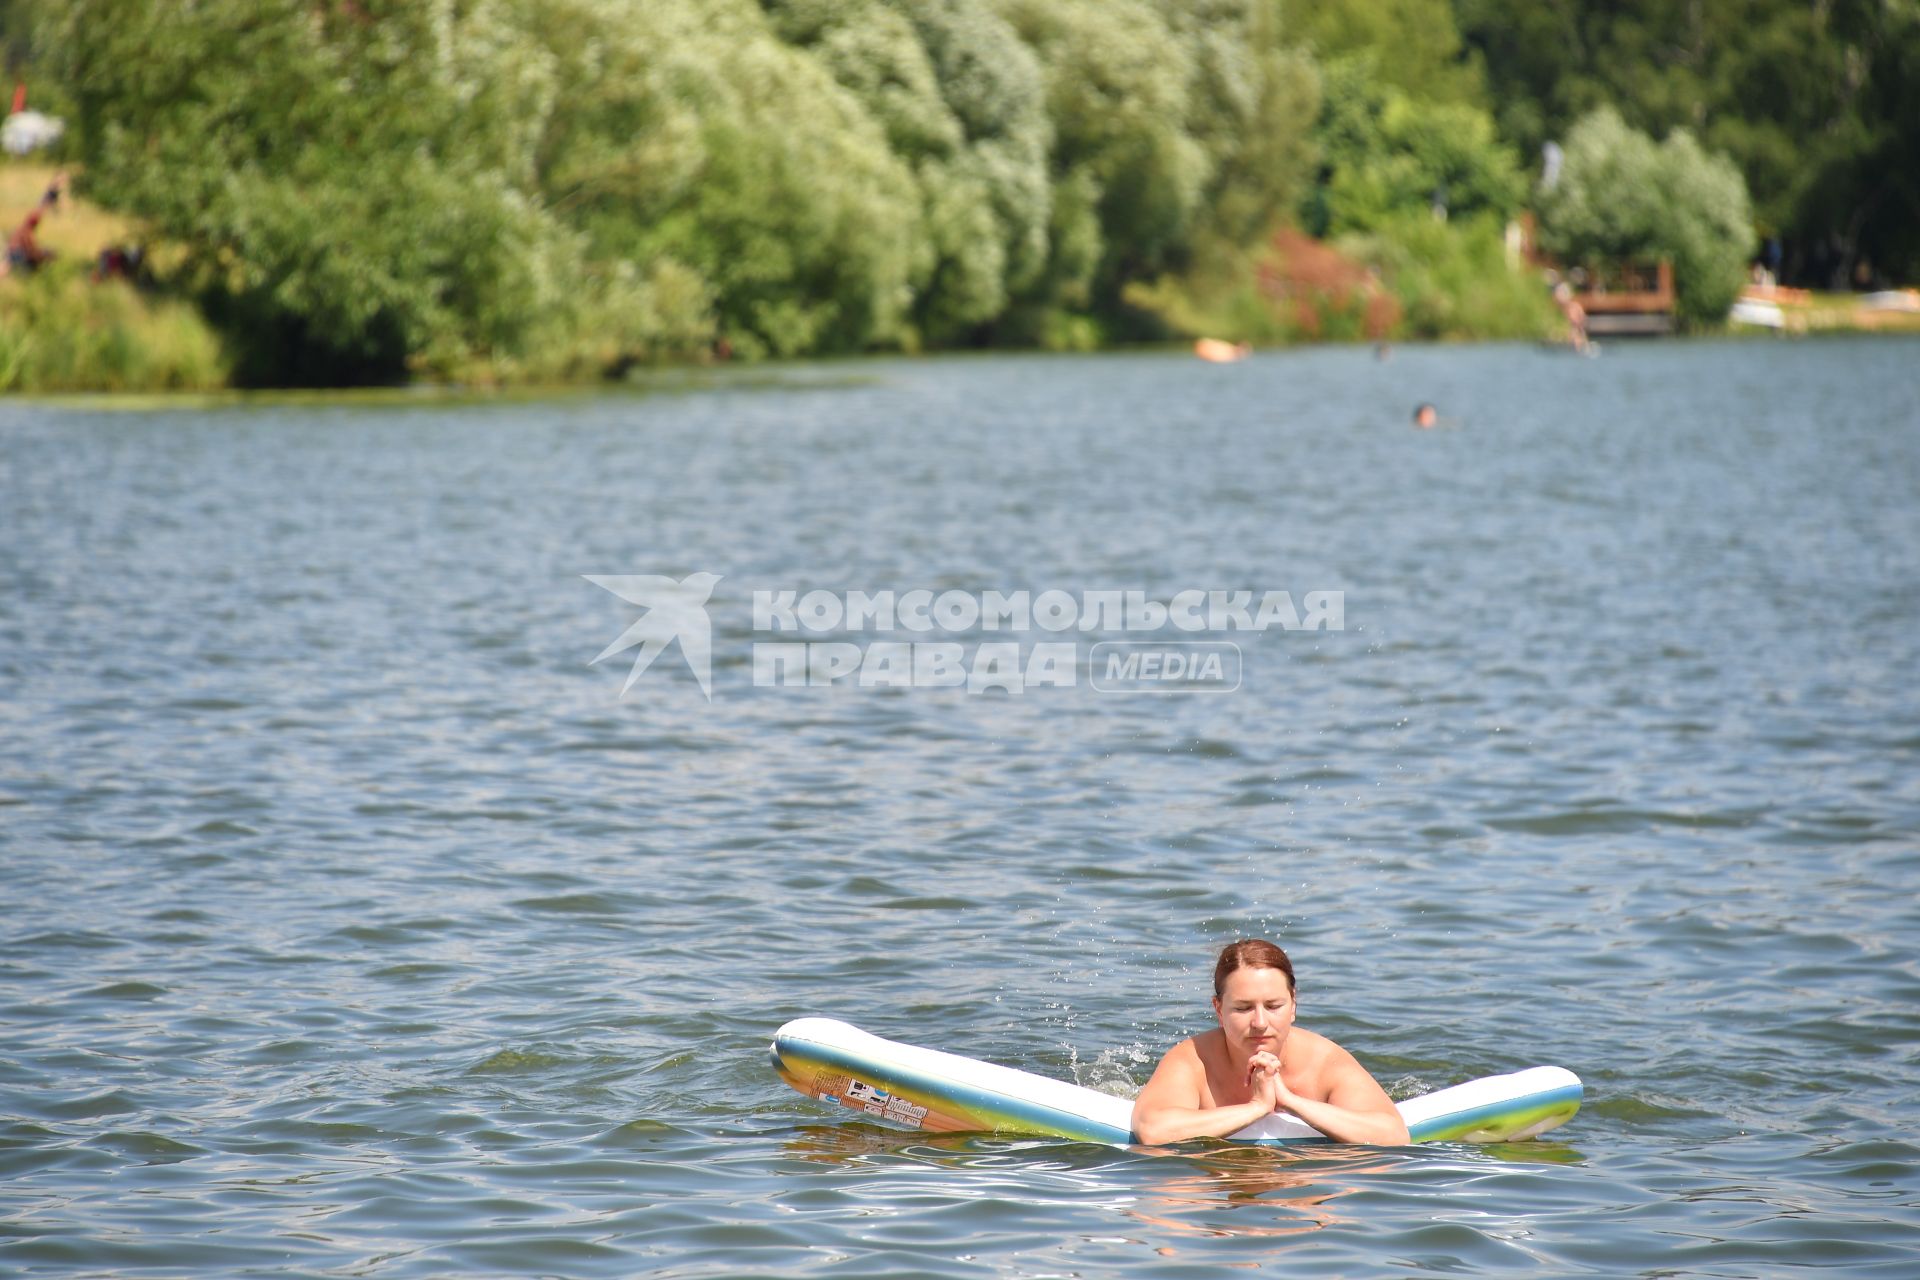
column 355, row 925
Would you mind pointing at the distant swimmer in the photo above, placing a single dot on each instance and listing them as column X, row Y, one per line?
column 1258, row 1063
column 1425, row 417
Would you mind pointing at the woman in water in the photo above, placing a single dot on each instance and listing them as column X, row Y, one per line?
column 1258, row 1062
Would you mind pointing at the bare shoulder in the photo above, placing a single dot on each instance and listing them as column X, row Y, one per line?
column 1337, row 1075
column 1183, row 1059
column 1178, row 1079
column 1315, row 1056
column 1311, row 1046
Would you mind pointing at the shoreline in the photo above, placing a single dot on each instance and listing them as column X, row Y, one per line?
column 809, row 373
column 68, row 338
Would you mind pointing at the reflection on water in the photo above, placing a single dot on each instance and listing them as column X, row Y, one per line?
column 1289, row 1192
column 1181, row 1190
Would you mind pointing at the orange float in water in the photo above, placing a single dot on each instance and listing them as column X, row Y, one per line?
column 1217, row 351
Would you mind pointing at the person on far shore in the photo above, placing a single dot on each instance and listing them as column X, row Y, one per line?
column 1576, row 315
column 24, row 251
column 120, row 262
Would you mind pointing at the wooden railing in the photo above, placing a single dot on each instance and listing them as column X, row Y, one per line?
column 1636, row 288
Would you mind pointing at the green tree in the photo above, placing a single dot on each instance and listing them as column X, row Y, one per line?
column 690, row 133
column 1385, row 155
column 1415, row 46
column 348, row 186
column 1175, row 122
column 1117, row 85
column 1252, row 98
column 1622, row 195
column 959, row 98
column 1818, row 104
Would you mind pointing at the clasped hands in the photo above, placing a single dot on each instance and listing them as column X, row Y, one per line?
column 1264, row 1083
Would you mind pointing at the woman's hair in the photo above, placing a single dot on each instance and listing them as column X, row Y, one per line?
column 1250, row 953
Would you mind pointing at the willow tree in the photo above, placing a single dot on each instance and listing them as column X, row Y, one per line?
column 348, row 191
column 959, row 99
column 687, row 131
column 1621, row 194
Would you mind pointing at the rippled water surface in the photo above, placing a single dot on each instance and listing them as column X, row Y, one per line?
column 355, row 925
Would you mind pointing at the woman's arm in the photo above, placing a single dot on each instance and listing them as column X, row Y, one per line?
column 1357, row 1109
column 1168, row 1108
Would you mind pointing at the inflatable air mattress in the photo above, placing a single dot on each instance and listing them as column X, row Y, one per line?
column 945, row 1093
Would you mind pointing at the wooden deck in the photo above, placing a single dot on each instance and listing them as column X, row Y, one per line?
column 1629, row 298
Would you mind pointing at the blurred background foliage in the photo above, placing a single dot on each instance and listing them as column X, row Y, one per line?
column 1817, row 106
column 1620, row 196
column 374, row 190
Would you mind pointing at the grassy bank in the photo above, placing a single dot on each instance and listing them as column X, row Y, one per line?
column 74, row 229
column 1416, row 279
column 1844, row 313
column 61, row 330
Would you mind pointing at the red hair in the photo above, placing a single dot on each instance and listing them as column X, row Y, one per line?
column 1250, row 953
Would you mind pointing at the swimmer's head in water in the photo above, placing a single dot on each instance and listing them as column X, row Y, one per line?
column 1250, row 953
column 1425, row 416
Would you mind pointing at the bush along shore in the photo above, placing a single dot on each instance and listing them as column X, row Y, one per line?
column 60, row 330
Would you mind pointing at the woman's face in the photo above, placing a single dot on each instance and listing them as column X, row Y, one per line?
column 1255, row 1010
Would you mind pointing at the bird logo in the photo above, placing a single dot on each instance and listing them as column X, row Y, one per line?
column 674, row 611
